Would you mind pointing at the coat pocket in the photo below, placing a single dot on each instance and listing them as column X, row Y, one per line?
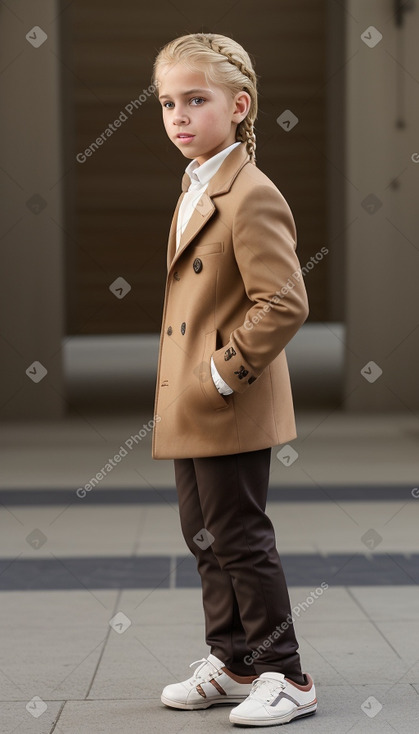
column 215, row 399
column 209, row 248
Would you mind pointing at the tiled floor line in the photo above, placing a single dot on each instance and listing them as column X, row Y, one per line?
column 136, row 572
column 142, row 495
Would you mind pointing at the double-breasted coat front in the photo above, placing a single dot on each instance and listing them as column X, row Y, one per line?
column 234, row 291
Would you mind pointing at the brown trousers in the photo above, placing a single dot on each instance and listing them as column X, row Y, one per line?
column 222, row 501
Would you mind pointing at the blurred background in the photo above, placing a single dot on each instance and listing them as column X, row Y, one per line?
column 84, row 229
column 82, row 217
column 78, row 215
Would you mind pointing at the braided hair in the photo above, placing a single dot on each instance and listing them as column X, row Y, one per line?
column 224, row 62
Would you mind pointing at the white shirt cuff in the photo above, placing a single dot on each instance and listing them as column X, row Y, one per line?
column 219, row 383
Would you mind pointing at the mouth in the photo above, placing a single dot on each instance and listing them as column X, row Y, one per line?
column 185, row 137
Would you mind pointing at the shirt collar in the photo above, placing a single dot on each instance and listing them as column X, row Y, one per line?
column 201, row 174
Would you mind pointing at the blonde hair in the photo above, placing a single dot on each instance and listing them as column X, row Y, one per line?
column 225, row 63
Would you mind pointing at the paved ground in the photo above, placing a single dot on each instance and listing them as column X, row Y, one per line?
column 345, row 513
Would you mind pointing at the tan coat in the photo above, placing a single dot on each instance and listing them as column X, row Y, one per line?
column 234, row 290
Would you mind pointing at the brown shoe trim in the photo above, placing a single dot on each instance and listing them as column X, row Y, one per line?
column 201, row 691
column 239, row 678
column 218, row 687
column 302, row 688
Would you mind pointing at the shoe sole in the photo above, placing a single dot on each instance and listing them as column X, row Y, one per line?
column 205, row 704
column 298, row 713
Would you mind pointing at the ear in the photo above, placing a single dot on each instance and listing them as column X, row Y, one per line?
column 241, row 102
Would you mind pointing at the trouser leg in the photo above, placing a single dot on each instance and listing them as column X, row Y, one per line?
column 232, row 493
column 224, row 631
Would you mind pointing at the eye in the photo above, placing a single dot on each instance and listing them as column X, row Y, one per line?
column 198, row 100
column 165, row 105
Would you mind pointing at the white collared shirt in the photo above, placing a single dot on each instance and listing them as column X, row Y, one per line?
column 200, row 176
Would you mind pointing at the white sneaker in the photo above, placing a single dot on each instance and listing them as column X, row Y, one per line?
column 211, row 684
column 275, row 699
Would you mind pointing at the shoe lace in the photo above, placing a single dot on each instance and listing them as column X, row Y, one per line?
column 266, row 689
column 202, row 673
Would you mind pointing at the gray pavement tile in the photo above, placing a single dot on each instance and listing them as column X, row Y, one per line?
column 403, row 637
column 154, row 529
column 383, row 603
column 334, row 603
column 339, row 712
column 74, row 530
column 333, row 653
column 385, row 447
column 51, row 642
column 342, row 526
column 145, row 658
column 351, row 652
column 38, row 718
column 151, row 606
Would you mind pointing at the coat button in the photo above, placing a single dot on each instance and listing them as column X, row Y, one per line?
column 176, row 275
column 197, row 265
column 170, row 331
column 183, row 327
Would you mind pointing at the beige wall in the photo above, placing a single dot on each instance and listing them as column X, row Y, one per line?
column 32, row 240
column 382, row 249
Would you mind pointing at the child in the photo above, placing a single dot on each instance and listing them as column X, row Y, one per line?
column 234, row 298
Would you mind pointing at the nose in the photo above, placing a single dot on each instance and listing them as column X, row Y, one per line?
column 180, row 118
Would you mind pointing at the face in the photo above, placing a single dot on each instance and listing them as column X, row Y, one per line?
column 199, row 118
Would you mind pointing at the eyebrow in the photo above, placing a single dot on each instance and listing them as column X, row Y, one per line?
column 189, row 91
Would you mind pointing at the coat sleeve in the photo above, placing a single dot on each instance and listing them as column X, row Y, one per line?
column 264, row 241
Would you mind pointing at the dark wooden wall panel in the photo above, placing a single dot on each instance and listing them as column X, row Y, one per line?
column 126, row 192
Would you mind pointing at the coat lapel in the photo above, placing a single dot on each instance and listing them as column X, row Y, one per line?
column 220, row 183
column 171, row 248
